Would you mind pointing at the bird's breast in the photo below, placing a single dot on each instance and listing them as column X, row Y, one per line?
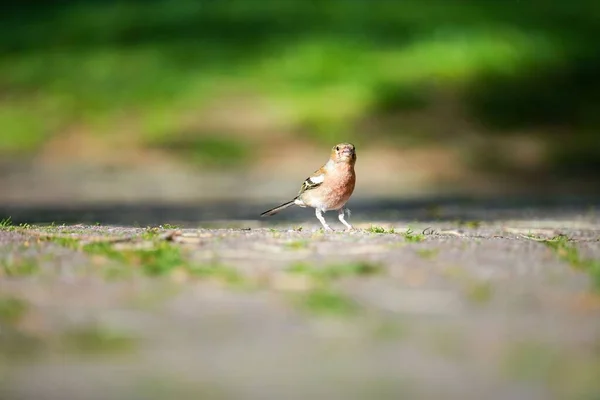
column 338, row 188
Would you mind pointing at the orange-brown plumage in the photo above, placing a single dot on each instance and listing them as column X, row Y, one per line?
column 328, row 188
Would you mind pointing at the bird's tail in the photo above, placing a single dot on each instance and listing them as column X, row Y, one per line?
column 275, row 210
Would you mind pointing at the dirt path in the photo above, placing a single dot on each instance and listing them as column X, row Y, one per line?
column 495, row 310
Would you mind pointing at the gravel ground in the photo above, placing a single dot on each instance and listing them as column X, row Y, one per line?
column 471, row 309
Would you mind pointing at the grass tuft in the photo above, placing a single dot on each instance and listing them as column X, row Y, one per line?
column 217, row 271
column 376, row 229
column 297, row 244
column 334, row 272
column 479, row 292
column 323, row 299
column 427, row 253
column 569, row 253
column 412, row 237
column 326, row 301
column 209, row 150
column 380, row 229
column 12, row 309
column 18, row 267
column 159, row 260
column 97, row 340
column 5, row 223
column 162, row 259
column 470, row 224
column 169, row 226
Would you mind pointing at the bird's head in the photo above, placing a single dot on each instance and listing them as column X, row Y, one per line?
column 343, row 152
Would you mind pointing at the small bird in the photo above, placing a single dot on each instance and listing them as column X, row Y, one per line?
column 328, row 188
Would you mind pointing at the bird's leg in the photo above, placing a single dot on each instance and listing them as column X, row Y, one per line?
column 319, row 215
column 341, row 213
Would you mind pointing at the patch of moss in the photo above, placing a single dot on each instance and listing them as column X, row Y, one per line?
column 323, row 298
column 412, row 237
column 69, row 242
column 5, row 223
column 161, row 259
column 470, row 224
column 333, row 272
column 207, row 149
column 297, row 244
column 97, row 340
column 15, row 344
column 12, row 309
column 326, row 301
column 169, row 226
column 447, row 343
column 475, row 290
column 18, row 267
column 427, row 253
column 531, row 361
column 376, row 229
column 151, row 232
column 391, row 330
column 479, row 291
column 217, row 271
column 569, row 253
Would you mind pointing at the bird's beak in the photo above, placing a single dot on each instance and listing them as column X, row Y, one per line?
column 347, row 152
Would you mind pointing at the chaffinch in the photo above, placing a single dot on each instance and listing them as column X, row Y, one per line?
column 328, row 188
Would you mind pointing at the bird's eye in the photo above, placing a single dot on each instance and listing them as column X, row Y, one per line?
column 337, row 148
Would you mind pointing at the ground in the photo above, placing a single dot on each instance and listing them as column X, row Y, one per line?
column 500, row 308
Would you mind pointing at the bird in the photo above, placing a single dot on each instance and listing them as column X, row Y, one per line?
column 328, row 188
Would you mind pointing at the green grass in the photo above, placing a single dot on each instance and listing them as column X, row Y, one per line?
column 427, row 253
column 217, row 271
column 569, row 253
column 70, row 242
column 376, row 229
column 169, row 226
column 297, row 244
column 16, row 345
column 326, row 301
column 333, row 272
column 380, row 229
column 19, row 267
column 165, row 258
column 447, row 343
column 323, row 66
column 532, row 361
column 470, row 224
column 567, row 371
column 412, row 237
column 409, row 235
column 206, row 149
column 97, row 340
column 479, row 292
column 391, row 329
column 474, row 289
column 151, row 232
column 323, row 298
column 5, row 223
column 160, row 259
column 12, row 309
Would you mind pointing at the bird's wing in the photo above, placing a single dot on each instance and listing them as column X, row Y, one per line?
column 313, row 181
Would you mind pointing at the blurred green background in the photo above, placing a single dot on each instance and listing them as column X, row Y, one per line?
column 475, row 91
